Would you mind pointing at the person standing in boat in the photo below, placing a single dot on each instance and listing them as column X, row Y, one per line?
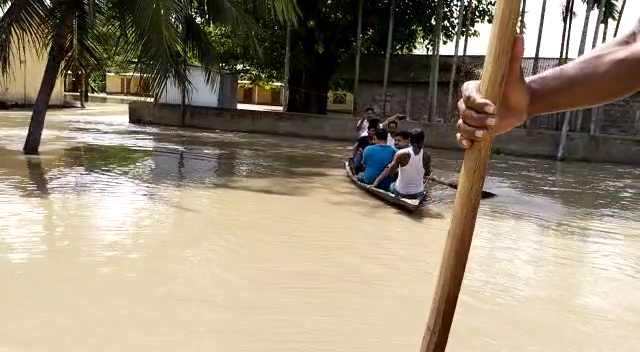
column 363, row 124
column 375, row 158
column 413, row 166
column 362, row 143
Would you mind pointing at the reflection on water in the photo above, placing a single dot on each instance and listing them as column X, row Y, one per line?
column 128, row 238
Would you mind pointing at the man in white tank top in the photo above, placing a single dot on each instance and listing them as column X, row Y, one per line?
column 413, row 165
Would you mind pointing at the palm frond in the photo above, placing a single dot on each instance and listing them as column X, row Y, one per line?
column 22, row 23
column 84, row 47
column 200, row 46
column 148, row 34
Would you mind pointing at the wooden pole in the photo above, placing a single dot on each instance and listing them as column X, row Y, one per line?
column 472, row 175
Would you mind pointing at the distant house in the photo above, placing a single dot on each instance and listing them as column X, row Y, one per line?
column 22, row 83
column 249, row 93
column 408, row 81
column 127, row 84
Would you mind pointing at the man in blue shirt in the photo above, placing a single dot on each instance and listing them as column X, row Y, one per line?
column 375, row 159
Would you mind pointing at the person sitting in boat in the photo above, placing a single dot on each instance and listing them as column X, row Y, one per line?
column 361, row 144
column 413, row 166
column 401, row 140
column 375, row 158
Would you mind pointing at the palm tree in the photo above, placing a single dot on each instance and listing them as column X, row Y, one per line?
column 160, row 35
column 536, row 59
column 567, row 10
column 583, row 42
column 572, row 15
column 522, row 14
column 615, row 32
column 435, row 62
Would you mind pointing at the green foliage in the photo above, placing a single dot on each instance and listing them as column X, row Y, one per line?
column 326, row 35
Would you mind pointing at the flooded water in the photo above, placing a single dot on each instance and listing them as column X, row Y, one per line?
column 127, row 238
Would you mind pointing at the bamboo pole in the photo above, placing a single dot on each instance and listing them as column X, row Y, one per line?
column 474, row 169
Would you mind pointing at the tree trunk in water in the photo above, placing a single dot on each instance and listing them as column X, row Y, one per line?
column 461, row 8
column 83, row 87
column 583, row 43
column 308, row 93
column 565, row 23
column 615, row 32
column 596, row 110
column 388, row 57
column 563, row 135
column 435, row 64
column 356, row 79
column 49, row 78
column 523, row 11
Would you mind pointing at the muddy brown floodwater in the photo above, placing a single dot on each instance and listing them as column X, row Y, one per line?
column 128, row 238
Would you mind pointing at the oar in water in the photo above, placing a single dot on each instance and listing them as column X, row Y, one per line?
column 474, row 170
column 454, row 185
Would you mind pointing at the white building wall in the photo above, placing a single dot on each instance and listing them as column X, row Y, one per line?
column 202, row 94
column 22, row 84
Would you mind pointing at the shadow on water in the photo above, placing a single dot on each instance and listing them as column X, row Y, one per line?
column 37, row 177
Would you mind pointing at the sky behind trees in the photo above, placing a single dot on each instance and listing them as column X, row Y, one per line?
column 551, row 36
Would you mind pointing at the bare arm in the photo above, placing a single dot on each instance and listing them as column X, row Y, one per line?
column 613, row 68
column 426, row 163
column 386, row 122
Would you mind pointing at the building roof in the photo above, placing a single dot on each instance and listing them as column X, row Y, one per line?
column 416, row 68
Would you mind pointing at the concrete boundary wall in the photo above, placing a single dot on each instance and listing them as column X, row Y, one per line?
column 520, row 142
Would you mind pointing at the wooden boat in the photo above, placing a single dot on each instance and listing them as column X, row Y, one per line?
column 409, row 205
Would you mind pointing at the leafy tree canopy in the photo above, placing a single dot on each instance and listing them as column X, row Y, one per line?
column 326, row 35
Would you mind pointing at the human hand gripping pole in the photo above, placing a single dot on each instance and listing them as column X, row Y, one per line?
column 472, row 175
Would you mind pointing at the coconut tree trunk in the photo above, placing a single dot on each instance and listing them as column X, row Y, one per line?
column 596, row 31
column 567, row 116
column 615, row 32
column 287, row 68
column 49, row 78
column 569, row 28
column 435, row 63
column 605, row 32
column 536, row 59
column 563, row 135
column 356, row 79
column 454, row 65
column 596, row 110
column 83, row 87
column 522, row 15
column 565, row 23
column 583, row 43
column 385, row 80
